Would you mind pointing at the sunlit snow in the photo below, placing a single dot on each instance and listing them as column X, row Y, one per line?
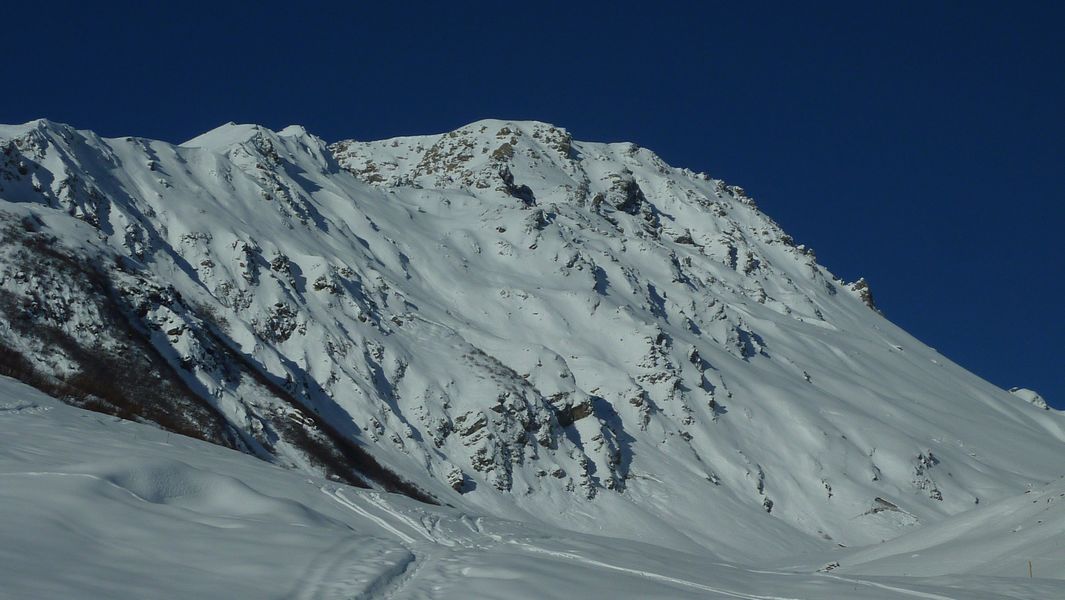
column 554, row 339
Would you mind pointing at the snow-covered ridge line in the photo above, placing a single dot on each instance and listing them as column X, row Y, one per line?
column 502, row 318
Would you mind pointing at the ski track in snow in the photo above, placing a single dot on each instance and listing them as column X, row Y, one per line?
column 892, row 588
column 399, row 581
column 328, row 581
column 340, row 498
column 331, row 576
column 650, row 575
column 729, row 593
column 379, row 502
column 392, row 581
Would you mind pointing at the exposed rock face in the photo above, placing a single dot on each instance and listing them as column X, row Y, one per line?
column 861, row 289
column 498, row 317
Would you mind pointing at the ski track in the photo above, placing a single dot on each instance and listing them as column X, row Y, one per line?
column 394, row 579
column 340, row 498
column 892, row 588
column 400, row 580
column 654, row 576
column 325, row 581
column 380, row 503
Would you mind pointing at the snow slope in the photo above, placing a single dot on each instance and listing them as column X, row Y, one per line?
column 997, row 539
column 99, row 507
column 501, row 319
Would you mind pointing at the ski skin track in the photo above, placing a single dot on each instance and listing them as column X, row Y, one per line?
column 379, row 502
column 649, row 575
column 392, row 581
column 892, row 588
column 724, row 592
column 339, row 498
column 320, row 578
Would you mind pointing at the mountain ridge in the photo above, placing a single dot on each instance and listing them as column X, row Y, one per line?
column 509, row 319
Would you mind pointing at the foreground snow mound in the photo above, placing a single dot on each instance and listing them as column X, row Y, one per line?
column 499, row 318
column 98, row 507
column 133, row 522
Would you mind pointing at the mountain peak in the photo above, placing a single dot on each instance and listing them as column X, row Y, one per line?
column 226, row 135
column 36, row 125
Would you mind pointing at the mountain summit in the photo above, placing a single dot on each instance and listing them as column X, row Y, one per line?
column 501, row 319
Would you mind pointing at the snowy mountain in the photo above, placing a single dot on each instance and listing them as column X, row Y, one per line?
column 502, row 320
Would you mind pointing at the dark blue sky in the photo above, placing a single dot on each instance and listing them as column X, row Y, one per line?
column 921, row 145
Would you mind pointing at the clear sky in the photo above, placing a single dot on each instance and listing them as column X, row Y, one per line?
column 921, row 145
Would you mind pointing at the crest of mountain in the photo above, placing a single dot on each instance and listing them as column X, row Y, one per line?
column 498, row 318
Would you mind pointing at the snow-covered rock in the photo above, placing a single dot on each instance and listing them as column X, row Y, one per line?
column 1030, row 396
